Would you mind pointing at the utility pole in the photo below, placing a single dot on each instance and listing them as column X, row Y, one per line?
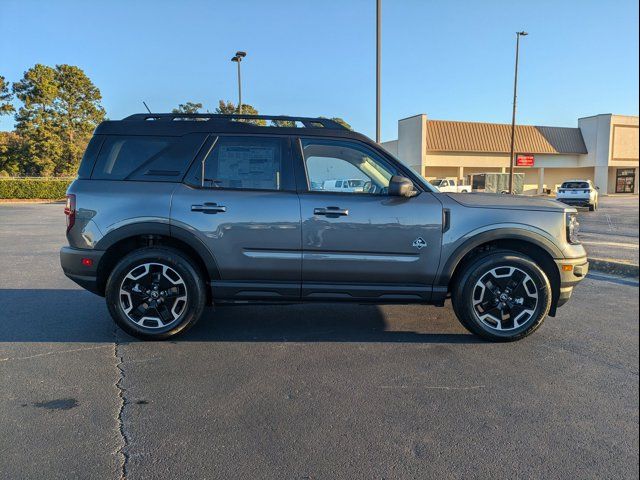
column 238, row 59
column 378, row 60
column 513, row 117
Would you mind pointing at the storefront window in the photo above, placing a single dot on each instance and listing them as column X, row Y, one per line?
column 625, row 180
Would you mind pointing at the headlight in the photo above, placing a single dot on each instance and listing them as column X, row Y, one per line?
column 572, row 228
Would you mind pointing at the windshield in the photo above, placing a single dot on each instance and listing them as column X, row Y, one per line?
column 580, row 185
column 437, row 182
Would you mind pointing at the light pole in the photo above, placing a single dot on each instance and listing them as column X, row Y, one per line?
column 238, row 59
column 378, row 60
column 513, row 117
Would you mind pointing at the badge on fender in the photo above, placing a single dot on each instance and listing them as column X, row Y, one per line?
column 419, row 243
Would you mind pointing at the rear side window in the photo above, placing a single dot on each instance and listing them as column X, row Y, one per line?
column 146, row 158
column 246, row 163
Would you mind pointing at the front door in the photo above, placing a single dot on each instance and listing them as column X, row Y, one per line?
column 239, row 199
column 359, row 242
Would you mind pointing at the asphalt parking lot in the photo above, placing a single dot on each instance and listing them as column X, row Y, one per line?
column 611, row 232
column 322, row 391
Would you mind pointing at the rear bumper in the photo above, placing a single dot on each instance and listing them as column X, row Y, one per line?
column 572, row 271
column 71, row 260
column 575, row 202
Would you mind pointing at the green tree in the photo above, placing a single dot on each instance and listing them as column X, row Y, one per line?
column 5, row 97
column 189, row 107
column 61, row 108
column 340, row 121
column 229, row 108
column 12, row 151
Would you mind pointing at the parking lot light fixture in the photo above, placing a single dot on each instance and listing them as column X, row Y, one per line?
column 238, row 59
column 513, row 117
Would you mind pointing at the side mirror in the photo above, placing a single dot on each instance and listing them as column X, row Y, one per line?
column 597, row 188
column 401, row 187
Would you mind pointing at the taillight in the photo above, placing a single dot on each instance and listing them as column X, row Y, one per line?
column 70, row 211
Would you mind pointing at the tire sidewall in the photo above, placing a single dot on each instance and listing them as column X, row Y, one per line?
column 173, row 259
column 463, row 297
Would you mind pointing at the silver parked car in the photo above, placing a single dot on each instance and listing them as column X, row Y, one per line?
column 166, row 217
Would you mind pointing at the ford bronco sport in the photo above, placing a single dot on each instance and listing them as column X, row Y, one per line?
column 173, row 212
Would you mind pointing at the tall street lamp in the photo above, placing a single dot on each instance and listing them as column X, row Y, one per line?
column 238, row 59
column 513, row 117
column 378, row 61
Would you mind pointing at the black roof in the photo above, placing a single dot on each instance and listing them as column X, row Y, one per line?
column 176, row 124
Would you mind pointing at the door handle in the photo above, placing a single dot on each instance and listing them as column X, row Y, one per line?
column 332, row 212
column 209, row 208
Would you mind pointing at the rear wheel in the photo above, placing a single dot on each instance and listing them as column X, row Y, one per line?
column 502, row 296
column 155, row 293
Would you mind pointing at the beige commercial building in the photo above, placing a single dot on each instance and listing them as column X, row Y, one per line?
column 603, row 148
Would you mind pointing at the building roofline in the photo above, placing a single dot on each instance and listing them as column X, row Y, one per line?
column 412, row 116
column 494, row 123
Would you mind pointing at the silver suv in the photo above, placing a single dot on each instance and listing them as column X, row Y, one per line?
column 170, row 213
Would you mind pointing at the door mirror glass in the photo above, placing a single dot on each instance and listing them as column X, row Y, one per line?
column 401, row 187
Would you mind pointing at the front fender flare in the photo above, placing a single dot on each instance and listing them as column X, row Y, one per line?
column 489, row 234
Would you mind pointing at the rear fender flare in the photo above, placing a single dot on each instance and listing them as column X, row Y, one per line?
column 166, row 230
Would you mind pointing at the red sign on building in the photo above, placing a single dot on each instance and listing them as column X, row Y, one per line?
column 525, row 161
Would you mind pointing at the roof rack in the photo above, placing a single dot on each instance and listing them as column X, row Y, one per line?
column 306, row 122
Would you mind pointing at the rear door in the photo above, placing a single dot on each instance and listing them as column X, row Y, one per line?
column 363, row 243
column 239, row 199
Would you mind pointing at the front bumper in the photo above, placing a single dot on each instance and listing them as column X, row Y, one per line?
column 85, row 275
column 572, row 271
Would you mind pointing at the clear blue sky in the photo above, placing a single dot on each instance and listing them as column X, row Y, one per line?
column 448, row 59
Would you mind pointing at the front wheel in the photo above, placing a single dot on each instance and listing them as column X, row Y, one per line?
column 502, row 296
column 155, row 293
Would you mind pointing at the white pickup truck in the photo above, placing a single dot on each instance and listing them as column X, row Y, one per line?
column 450, row 185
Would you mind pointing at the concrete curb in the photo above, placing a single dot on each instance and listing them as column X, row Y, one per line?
column 25, row 201
column 613, row 267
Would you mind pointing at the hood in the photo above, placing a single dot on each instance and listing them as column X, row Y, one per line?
column 511, row 202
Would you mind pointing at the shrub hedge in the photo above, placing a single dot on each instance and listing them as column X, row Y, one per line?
column 25, row 188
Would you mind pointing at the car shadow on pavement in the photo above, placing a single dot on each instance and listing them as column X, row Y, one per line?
column 58, row 315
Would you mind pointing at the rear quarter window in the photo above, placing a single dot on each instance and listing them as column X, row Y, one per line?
column 146, row 158
column 89, row 157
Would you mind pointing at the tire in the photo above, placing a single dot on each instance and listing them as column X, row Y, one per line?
column 475, row 292
column 166, row 282
column 592, row 207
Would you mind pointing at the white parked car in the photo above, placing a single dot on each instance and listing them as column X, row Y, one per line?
column 346, row 185
column 579, row 193
column 450, row 185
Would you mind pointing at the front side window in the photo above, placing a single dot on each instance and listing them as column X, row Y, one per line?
column 244, row 162
column 344, row 166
